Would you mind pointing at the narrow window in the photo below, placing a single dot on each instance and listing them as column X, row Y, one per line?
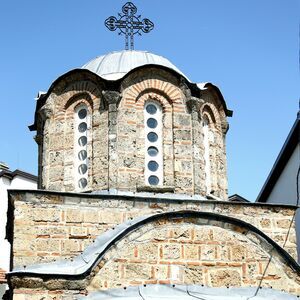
column 80, row 147
column 153, row 143
column 206, row 141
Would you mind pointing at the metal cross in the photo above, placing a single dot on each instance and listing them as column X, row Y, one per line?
column 129, row 24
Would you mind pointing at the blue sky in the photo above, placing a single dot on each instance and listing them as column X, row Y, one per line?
column 249, row 49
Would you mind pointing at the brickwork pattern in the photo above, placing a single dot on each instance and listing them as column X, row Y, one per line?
column 50, row 226
column 116, row 149
column 186, row 252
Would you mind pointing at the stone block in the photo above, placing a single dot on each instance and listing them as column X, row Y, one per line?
column 47, row 245
column 222, row 278
column 191, row 252
column 46, row 215
column 111, row 217
column 91, row 216
column 137, row 271
column 70, row 246
column 73, row 215
column 171, row 251
column 208, row 252
column 193, row 275
column 148, row 252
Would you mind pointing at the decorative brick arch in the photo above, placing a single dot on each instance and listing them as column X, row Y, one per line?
column 212, row 113
column 137, row 91
column 79, row 98
column 87, row 89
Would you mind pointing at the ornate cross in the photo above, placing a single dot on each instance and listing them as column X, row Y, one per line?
column 129, row 24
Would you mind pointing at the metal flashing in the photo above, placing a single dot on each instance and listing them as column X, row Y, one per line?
column 115, row 65
column 187, row 292
column 92, row 255
column 144, row 196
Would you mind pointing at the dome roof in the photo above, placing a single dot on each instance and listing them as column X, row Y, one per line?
column 115, row 65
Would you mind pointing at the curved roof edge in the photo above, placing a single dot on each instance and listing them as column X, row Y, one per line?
column 92, row 255
column 42, row 96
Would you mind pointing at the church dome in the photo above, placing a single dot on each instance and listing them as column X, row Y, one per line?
column 115, row 65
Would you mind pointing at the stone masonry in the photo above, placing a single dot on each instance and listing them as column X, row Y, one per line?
column 49, row 226
column 116, row 150
column 112, row 227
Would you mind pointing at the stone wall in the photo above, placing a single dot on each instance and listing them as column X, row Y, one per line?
column 48, row 226
column 183, row 251
column 116, row 141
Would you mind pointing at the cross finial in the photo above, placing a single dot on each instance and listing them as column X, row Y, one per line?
column 129, row 24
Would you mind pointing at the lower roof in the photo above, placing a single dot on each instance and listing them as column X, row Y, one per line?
column 189, row 292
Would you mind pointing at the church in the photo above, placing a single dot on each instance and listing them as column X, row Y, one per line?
column 132, row 200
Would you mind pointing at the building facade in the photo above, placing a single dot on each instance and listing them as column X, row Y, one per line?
column 133, row 193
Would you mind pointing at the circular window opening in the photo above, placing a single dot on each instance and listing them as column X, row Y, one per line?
column 82, row 113
column 152, row 151
column 152, row 123
column 82, row 155
column 82, row 127
column 82, row 141
column 82, row 183
column 82, row 169
column 152, row 165
column 153, row 180
column 151, row 109
column 152, row 137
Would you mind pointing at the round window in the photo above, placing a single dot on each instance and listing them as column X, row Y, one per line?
column 152, row 123
column 82, row 155
column 153, row 180
column 82, row 183
column 151, row 109
column 82, row 141
column 152, row 137
column 152, row 165
column 82, row 113
column 152, row 151
column 82, row 169
column 82, row 127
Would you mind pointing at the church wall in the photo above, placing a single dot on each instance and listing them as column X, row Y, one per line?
column 116, row 135
column 192, row 251
column 56, row 136
column 52, row 225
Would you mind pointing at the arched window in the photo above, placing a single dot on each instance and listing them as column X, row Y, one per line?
column 206, row 142
column 81, row 127
column 153, row 143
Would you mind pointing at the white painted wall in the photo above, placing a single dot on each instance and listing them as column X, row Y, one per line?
column 285, row 189
column 18, row 182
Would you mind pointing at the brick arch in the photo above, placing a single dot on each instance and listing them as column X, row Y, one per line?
column 79, row 98
column 212, row 113
column 153, row 94
column 135, row 91
column 183, row 248
column 77, row 89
